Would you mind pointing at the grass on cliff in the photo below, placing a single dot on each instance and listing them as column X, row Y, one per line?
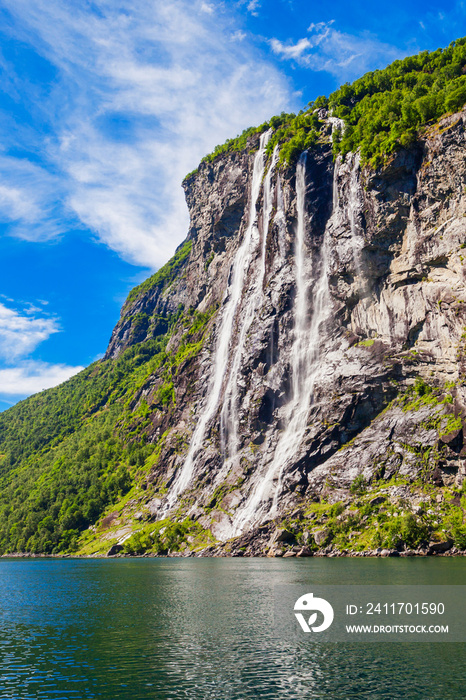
column 163, row 277
column 373, row 519
column 165, row 536
column 383, row 110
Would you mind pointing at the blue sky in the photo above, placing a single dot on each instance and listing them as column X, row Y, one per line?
column 106, row 105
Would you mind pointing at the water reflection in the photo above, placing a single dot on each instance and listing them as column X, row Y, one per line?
column 171, row 629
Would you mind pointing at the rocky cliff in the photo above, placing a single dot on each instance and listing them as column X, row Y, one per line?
column 318, row 317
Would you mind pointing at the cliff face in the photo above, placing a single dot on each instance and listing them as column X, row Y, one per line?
column 328, row 308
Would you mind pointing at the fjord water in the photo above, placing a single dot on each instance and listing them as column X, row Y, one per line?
column 196, row 629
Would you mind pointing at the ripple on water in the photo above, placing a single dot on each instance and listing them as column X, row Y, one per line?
column 171, row 629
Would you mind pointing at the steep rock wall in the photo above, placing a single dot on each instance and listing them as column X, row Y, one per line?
column 373, row 299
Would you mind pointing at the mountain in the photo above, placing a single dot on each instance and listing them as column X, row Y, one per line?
column 293, row 379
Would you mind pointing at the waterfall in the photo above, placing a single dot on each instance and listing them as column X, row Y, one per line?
column 231, row 302
column 337, row 124
column 229, row 417
column 280, row 221
column 354, row 205
column 304, row 357
column 306, row 343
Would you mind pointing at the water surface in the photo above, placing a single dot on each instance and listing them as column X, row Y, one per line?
column 203, row 628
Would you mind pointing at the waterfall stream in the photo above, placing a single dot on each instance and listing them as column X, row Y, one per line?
column 354, row 205
column 231, row 302
column 280, row 221
column 306, row 344
column 229, row 418
column 304, row 364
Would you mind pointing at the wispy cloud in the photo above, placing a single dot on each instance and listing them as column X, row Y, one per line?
column 207, row 7
column 140, row 92
column 253, row 7
column 29, row 377
column 345, row 56
column 28, row 199
column 21, row 334
column 289, row 50
column 238, row 35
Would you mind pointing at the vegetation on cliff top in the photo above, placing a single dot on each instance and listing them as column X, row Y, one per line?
column 382, row 111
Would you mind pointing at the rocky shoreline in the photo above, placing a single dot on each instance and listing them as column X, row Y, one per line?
column 299, row 552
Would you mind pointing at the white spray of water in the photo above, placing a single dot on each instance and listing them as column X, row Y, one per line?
column 304, row 356
column 232, row 298
column 280, row 221
column 353, row 206
column 337, row 124
column 229, row 417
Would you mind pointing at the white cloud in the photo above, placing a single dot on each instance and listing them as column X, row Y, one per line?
column 28, row 199
column 238, row 36
column 343, row 55
column 15, row 204
column 290, row 50
column 320, row 30
column 170, row 73
column 206, row 7
column 29, row 377
column 20, row 335
column 253, row 7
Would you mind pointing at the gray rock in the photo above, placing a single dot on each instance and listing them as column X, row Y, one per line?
column 438, row 547
column 307, row 537
column 114, row 549
column 377, row 500
column 322, row 537
column 281, row 535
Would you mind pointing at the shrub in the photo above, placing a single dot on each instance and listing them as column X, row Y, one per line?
column 358, row 485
